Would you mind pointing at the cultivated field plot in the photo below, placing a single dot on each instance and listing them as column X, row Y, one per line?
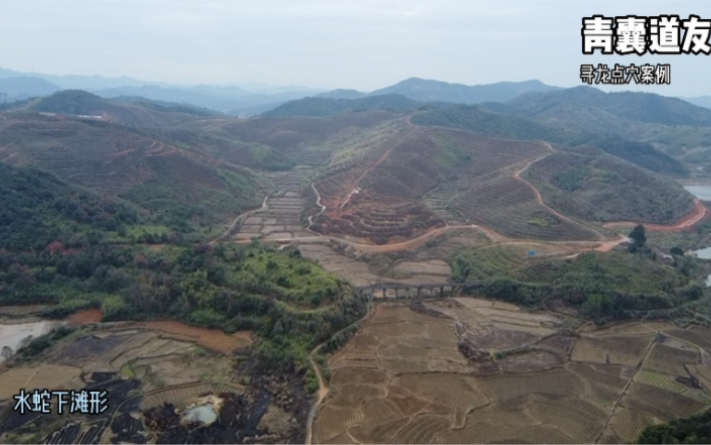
column 466, row 370
column 141, row 365
column 356, row 272
column 281, row 219
column 431, row 271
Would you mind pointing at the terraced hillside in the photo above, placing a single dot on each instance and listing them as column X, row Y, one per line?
column 280, row 215
column 416, row 179
column 465, row 370
column 491, row 203
column 305, row 140
column 599, row 187
column 116, row 160
column 376, row 177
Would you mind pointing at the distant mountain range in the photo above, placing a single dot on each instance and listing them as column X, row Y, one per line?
column 408, row 95
column 423, row 90
column 642, row 107
column 254, row 98
column 233, row 100
column 702, row 101
column 436, row 91
column 21, row 88
column 323, row 106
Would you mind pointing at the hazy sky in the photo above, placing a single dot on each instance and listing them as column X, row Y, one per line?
column 364, row 44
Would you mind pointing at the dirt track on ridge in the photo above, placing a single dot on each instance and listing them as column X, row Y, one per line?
column 539, row 197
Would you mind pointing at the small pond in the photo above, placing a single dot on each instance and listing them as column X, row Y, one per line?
column 704, row 254
column 204, row 414
column 703, row 192
column 16, row 335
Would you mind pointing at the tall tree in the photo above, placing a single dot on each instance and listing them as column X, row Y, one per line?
column 638, row 235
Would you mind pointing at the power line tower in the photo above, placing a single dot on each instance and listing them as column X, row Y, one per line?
column 4, row 95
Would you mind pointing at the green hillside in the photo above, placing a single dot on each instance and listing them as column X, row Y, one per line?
column 81, row 103
column 602, row 188
column 695, row 429
column 640, row 107
column 513, row 126
column 168, row 107
column 37, row 208
column 426, row 90
column 185, row 185
column 487, row 123
column 599, row 286
column 73, row 249
column 642, row 154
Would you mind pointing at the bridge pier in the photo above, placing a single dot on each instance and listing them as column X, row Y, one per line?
column 395, row 290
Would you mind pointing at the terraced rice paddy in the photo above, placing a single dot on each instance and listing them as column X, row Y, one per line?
column 356, row 272
column 281, row 219
column 405, row 377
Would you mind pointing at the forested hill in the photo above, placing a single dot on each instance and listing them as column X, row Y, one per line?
column 425, row 90
column 639, row 107
column 146, row 114
column 37, row 208
column 474, row 118
column 512, row 126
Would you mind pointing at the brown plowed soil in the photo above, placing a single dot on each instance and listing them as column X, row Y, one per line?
column 87, row 316
column 212, row 339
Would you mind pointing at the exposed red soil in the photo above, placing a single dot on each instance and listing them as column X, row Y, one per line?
column 368, row 170
column 87, row 316
column 699, row 213
column 212, row 339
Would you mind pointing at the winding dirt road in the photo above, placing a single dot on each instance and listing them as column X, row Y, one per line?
column 318, row 203
column 322, row 387
column 322, row 393
column 603, row 244
column 700, row 212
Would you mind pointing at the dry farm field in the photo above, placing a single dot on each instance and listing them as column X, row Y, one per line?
column 466, row 370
